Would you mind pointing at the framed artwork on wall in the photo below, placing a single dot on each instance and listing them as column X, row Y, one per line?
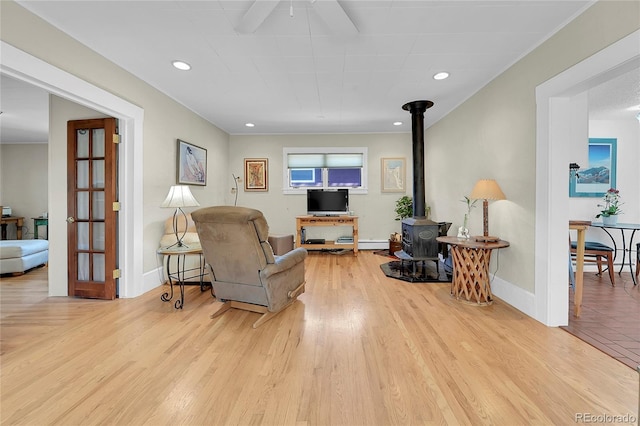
column 192, row 164
column 256, row 174
column 393, row 173
column 600, row 174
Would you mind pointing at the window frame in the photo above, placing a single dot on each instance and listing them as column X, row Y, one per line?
column 288, row 189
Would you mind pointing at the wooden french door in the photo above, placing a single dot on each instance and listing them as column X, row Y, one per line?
column 92, row 207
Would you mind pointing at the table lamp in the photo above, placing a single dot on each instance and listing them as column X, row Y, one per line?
column 486, row 189
column 179, row 196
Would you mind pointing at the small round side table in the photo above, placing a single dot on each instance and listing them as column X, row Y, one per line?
column 179, row 276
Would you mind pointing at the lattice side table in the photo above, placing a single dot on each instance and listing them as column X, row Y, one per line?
column 471, row 282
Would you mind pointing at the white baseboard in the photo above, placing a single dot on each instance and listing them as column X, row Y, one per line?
column 373, row 244
column 152, row 279
column 515, row 296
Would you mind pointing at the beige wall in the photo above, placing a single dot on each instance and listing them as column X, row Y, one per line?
column 491, row 135
column 164, row 120
column 375, row 210
column 25, row 193
column 494, row 134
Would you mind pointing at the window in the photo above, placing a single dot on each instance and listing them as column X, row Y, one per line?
column 324, row 168
column 305, row 177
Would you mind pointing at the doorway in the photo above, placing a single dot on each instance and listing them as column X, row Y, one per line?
column 24, row 67
column 554, row 111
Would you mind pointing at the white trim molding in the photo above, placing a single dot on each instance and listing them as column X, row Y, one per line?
column 555, row 101
column 25, row 67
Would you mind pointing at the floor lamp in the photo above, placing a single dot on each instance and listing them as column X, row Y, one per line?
column 486, row 189
column 179, row 196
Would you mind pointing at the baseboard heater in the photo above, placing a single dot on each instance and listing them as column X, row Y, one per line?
column 363, row 244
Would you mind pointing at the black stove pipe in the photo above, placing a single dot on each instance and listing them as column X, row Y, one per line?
column 417, row 109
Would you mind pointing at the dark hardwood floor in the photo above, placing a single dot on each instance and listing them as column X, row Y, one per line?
column 610, row 319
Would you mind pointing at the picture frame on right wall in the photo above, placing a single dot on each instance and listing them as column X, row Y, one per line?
column 599, row 175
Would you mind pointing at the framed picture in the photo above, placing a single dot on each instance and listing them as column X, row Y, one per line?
column 600, row 174
column 393, row 172
column 192, row 164
column 256, row 174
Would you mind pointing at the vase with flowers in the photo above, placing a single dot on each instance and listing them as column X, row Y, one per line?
column 611, row 207
column 463, row 231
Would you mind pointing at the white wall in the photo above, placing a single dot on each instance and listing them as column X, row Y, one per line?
column 627, row 133
column 25, row 193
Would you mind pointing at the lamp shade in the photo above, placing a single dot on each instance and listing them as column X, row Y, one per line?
column 487, row 189
column 180, row 196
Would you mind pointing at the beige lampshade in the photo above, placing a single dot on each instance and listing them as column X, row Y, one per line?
column 180, row 196
column 487, row 189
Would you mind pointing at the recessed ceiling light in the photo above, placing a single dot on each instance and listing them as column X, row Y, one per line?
column 397, row 123
column 181, row 65
column 250, row 125
column 441, row 76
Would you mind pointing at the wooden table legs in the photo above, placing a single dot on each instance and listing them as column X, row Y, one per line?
column 577, row 298
column 471, row 281
column 12, row 219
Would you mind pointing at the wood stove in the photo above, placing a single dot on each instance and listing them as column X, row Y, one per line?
column 418, row 232
column 419, row 245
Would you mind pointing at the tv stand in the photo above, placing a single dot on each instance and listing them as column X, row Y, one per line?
column 306, row 221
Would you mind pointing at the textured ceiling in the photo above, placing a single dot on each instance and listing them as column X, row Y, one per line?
column 332, row 67
column 616, row 99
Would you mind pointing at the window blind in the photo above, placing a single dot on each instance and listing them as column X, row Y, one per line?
column 300, row 161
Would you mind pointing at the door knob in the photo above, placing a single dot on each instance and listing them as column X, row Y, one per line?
column 70, row 219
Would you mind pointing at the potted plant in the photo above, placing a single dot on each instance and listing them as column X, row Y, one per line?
column 463, row 231
column 404, row 207
column 611, row 207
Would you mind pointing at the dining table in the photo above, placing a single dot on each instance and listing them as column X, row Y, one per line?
column 628, row 232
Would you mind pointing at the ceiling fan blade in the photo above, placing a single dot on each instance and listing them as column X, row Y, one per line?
column 335, row 17
column 256, row 15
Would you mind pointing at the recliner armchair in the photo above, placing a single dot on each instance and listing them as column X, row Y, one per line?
column 244, row 272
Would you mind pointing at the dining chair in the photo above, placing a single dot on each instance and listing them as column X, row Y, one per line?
column 596, row 252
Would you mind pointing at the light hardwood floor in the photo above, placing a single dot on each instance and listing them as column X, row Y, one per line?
column 358, row 348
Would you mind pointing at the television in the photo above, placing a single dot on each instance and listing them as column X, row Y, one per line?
column 327, row 202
